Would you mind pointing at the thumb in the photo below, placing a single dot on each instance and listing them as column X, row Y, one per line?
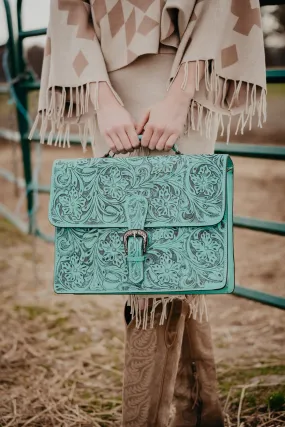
column 142, row 122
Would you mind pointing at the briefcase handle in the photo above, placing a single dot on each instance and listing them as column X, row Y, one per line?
column 111, row 154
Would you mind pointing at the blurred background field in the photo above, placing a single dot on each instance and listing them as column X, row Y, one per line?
column 61, row 357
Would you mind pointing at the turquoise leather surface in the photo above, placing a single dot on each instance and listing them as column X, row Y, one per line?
column 182, row 204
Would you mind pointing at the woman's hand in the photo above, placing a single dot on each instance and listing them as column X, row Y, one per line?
column 115, row 123
column 164, row 122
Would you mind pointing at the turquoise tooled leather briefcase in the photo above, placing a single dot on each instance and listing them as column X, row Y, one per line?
column 143, row 225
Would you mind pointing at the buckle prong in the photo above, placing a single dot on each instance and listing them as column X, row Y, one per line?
column 134, row 233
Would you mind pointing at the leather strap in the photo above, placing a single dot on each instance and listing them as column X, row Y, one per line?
column 136, row 210
column 136, row 258
column 111, row 154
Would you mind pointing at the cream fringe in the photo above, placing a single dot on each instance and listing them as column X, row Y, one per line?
column 55, row 118
column 213, row 83
column 57, row 121
column 197, row 308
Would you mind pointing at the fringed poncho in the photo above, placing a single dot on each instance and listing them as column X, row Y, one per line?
column 86, row 39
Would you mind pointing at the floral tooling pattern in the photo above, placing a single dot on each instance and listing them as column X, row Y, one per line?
column 183, row 258
column 178, row 200
column 180, row 190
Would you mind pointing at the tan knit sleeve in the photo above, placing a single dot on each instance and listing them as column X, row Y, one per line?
column 72, row 68
column 225, row 41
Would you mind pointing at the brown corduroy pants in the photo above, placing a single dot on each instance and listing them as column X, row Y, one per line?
column 170, row 367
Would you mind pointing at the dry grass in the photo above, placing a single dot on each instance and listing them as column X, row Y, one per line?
column 53, row 373
column 55, row 369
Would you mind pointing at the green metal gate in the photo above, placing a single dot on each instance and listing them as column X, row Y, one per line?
column 21, row 82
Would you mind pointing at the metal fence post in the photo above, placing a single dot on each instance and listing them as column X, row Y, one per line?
column 17, row 69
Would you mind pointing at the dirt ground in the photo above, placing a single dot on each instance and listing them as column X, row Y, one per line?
column 61, row 357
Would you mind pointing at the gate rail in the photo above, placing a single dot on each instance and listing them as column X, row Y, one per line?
column 23, row 81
